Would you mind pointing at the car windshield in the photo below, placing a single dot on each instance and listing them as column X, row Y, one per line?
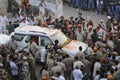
column 61, row 37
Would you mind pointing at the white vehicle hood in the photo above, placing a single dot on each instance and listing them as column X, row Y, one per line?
column 4, row 39
column 73, row 47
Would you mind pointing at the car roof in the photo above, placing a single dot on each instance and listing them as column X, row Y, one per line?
column 35, row 30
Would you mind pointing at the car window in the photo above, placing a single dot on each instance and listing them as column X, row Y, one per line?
column 19, row 37
column 34, row 38
column 45, row 41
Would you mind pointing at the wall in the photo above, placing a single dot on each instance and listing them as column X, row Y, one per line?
column 3, row 6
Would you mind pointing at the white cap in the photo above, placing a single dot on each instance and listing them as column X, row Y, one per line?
column 108, row 17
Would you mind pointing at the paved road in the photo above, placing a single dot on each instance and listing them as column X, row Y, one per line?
column 69, row 11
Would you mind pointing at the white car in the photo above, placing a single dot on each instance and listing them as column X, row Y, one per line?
column 23, row 34
column 4, row 39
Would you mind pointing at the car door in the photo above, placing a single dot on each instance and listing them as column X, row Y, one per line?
column 43, row 41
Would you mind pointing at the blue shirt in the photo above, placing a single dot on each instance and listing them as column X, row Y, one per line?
column 14, row 68
column 11, row 28
column 77, row 74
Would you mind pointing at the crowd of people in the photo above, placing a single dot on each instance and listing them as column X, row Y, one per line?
column 111, row 7
column 100, row 61
column 15, row 64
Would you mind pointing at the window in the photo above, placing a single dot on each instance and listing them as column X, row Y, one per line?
column 19, row 37
column 34, row 38
column 45, row 41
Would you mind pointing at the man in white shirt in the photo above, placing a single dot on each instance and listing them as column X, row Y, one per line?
column 97, row 77
column 3, row 22
column 79, row 34
column 100, row 31
column 43, row 53
column 90, row 50
column 42, row 7
column 59, row 76
column 97, row 67
column 32, row 21
column 77, row 74
column 24, row 22
column 89, row 33
column 21, row 16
